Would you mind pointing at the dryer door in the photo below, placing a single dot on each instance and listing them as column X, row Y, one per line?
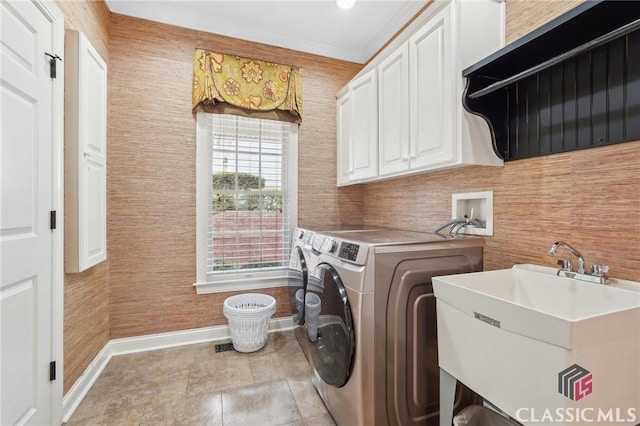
column 329, row 326
column 298, row 276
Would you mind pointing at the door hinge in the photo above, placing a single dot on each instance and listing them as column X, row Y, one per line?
column 52, row 64
column 52, row 371
column 52, row 220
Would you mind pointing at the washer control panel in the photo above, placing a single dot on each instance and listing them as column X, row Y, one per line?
column 335, row 246
column 348, row 251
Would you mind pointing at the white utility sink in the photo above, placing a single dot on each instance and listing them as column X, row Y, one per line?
column 532, row 343
column 533, row 301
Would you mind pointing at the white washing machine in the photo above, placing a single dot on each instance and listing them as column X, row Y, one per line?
column 301, row 263
column 374, row 351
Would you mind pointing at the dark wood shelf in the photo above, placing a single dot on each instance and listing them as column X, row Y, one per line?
column 573, row 83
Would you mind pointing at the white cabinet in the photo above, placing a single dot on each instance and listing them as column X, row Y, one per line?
column 85, row 154
column 393, row 116
column 357, row 109
column 433, row 95
column 421, row 121
column 344, row 122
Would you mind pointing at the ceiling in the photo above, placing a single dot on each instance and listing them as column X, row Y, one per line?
column 313, row 26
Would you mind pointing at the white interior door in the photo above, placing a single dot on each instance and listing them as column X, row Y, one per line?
column 28, row 195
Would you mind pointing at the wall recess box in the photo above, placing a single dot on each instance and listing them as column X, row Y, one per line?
column 475, row 205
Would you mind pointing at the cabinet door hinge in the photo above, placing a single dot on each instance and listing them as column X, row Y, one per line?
column 52, row 220
column 52, row 64
column 52, row 371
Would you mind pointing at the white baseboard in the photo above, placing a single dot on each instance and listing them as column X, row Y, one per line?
column 150, row 342
column 79, row 390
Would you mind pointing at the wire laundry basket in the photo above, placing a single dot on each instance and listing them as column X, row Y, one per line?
column 249, row 315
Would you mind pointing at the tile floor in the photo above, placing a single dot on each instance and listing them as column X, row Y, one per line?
column 193, row 385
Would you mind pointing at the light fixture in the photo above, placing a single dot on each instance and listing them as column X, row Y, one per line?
column 345, row 4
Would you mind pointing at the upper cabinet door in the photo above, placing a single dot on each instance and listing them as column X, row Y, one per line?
column 393, row 112
column 433, row 92
column 85, row 154
column 344, row 122
column 364, row 127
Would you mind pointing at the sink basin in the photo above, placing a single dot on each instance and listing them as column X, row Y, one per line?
column 532, row 300
column 532, row 342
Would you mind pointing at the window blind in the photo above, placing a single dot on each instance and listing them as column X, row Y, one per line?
column 248, row 223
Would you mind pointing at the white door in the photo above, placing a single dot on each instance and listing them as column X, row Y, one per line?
column 393, row 116
column 28, row 194
column 364, row 127
column 432, row 93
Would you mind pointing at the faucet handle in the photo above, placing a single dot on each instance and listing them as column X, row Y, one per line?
column 565, row 264
column 599, row 270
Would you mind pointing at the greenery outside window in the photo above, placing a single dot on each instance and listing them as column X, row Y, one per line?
column 246, row 201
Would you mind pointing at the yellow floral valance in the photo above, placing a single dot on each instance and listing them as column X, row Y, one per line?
column 242, row 86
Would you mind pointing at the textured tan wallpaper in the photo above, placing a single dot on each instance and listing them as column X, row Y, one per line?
column 523, row 16
column 86, row 298
column 589, row 198
column 152, row 170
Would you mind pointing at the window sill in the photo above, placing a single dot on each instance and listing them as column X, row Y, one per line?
column 242, row 283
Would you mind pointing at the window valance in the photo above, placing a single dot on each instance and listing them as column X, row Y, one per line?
column 229, row 84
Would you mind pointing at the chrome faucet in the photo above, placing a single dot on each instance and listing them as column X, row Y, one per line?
column 599, row 273
column 576, row 253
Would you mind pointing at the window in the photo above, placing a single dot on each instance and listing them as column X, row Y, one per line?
column 246, row 201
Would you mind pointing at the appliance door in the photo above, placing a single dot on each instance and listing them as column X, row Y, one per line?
column 329, row 325
column 298, row 277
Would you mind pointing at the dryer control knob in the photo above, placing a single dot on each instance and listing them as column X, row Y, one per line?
column 300, row 234
column 329, row 246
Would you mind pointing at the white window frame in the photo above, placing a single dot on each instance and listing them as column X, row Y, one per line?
column 207, row 283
